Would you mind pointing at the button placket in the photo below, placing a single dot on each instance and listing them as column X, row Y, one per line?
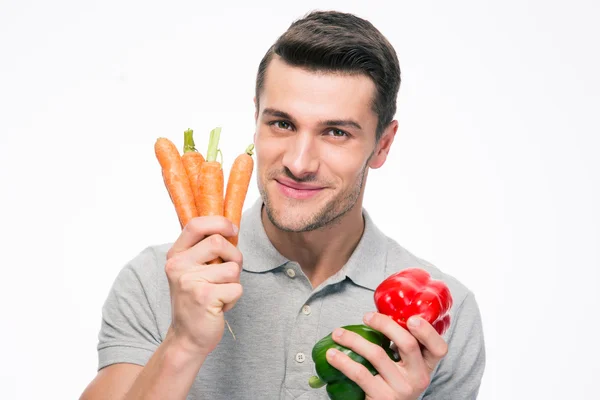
column 302, row 342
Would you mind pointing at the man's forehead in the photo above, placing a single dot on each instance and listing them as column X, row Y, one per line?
column 288, row 87
column 279, row 71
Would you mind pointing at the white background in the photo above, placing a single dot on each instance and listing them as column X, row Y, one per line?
column 493, row 176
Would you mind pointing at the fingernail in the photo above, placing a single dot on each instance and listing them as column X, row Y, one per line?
column 369, row 316
column 235, row 229
column 331, row 353
column 414, row 322
column 337, row 333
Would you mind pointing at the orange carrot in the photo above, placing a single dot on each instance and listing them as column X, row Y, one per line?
column 211, row 180
column 237, row 188
column 176, row 180
column 192, row 161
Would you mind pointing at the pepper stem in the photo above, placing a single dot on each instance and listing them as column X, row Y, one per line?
column 249, row 150
column 188, row 141
column 315, row 382
column 213, row 145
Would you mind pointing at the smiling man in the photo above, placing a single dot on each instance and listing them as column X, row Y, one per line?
column 309, row 255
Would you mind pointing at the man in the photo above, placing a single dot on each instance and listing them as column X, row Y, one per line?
column 309, row 256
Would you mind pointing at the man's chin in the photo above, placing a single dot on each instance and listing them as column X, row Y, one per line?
column 289, row 220
column 284, row 220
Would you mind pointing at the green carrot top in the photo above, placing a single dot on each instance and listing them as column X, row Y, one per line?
column 213, row 145
column 188, row 141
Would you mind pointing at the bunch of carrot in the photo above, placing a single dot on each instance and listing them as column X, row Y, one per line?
column 196, row 184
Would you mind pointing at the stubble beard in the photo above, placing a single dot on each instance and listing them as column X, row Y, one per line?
column 327, row 216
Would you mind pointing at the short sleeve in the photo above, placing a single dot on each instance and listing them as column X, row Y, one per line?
column 129, row 330
column 459, row 374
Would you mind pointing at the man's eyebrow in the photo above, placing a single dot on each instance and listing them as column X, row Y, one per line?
column 277, row 113
column 331, row 122
column 342, row 122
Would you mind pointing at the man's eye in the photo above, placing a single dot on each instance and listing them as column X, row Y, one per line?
column 281, row 124
column 337, row 133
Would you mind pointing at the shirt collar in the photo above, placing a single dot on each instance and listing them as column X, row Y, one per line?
column 259, row 253
column 365, row 267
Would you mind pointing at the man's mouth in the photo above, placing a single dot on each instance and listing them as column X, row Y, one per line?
column 297, row 190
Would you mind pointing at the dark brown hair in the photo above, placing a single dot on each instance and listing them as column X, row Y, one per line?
column 332, row 41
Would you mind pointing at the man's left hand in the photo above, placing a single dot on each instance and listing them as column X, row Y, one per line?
column 406, row 379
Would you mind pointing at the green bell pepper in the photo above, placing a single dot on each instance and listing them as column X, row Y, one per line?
column 338, row 385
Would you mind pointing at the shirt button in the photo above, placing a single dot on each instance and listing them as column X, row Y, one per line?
column 290, row 272
column 300, row 357
column 306, row 310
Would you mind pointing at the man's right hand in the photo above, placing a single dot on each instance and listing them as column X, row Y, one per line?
column 202, row 292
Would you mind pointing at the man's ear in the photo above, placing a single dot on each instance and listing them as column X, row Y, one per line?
column 383, row 146
column 255, row 110
column 255, row 118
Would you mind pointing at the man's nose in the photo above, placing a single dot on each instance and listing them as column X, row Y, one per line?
column 301, row 157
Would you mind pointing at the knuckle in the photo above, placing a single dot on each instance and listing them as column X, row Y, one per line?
column 406, row 391
column 202, row 292
column 193, row 226
column 183, row 283
column 172, row 265
column 170, row 253
column 229, row 271
column 359, row 374
column 238, row 290
column 379, row 354
column 217, row 243
column 238, row 258
column 234, row 272
column 442, row 350
column 422, row 382
column 411, row 345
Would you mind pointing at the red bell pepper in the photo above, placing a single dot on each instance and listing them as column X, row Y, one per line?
column 413, row 292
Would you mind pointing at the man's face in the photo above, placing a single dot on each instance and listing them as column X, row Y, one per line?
column 315, row 139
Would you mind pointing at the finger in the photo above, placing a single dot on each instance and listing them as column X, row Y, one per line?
column 407, row 345
column 216, row 298
column 200, row 227
column 228, row 294
column 375, row 354
column 214, row 246
column 373, row 386
column 228, row 272
column 435, row 347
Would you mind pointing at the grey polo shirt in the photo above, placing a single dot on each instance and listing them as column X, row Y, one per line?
column 280, row 317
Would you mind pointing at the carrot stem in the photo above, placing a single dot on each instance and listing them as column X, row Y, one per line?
column 188, row 141
column 229, row 327
column 213, row 145
column 249, row 150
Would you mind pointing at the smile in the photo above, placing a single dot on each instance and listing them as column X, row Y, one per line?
column 297, row 191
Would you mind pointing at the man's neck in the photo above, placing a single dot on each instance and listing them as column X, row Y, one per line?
column 323, row 252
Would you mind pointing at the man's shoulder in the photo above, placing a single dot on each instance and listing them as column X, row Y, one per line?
column 149, row 263
column 399, row 258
